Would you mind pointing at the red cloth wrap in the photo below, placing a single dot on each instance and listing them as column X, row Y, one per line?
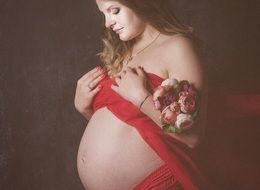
column 175, row 154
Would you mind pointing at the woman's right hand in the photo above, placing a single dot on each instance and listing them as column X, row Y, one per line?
column 87, row 88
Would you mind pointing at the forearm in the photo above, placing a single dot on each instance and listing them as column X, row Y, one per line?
column 147, row 108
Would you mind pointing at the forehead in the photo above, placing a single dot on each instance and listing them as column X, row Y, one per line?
column 104, row 5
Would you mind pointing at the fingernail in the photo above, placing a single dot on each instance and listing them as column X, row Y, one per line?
column 98, row 67
column 99, row 86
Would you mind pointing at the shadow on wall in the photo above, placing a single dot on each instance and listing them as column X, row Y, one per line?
column 231, row 148
column 231, row 40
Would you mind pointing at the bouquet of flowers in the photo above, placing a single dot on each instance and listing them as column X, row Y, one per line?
column 178, row 103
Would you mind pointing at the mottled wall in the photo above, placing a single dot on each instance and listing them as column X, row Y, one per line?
column 46, row 45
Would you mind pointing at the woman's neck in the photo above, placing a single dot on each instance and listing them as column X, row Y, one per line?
column 145, row 38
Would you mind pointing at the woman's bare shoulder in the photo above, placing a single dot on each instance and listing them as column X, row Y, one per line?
column 176, row 44
column 182, row 59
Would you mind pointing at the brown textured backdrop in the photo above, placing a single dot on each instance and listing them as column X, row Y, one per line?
column 46, row 45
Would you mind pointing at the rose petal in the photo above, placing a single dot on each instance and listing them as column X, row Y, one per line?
column 184, row 121
column 157, row 104
column 170, row 82
column 168, row 116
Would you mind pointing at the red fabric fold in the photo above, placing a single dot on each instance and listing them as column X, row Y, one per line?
column 160, row 179
column 177, row 156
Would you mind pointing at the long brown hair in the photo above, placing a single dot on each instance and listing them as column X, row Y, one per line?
column 157, row 13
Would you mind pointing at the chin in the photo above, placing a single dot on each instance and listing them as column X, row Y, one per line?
column 125, row 37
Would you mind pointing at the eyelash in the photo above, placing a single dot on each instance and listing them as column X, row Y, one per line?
column 115, row 11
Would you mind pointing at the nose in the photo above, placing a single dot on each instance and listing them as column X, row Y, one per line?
column 109, row 22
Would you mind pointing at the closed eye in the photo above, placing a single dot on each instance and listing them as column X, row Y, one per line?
column 115, row 11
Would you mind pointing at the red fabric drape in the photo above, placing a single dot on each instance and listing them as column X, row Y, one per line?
column 176, row 155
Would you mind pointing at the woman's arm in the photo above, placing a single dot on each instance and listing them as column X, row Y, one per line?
column 182, row 63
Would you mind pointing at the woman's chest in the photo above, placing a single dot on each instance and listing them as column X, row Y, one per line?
column 152, row 62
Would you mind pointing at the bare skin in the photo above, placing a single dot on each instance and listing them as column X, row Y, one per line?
column 112, row 151
column 112, row 155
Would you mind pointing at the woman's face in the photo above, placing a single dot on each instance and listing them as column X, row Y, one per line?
column 121, row 19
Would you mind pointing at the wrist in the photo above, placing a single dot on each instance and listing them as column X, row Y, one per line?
column 144, row 100
column 141, row 99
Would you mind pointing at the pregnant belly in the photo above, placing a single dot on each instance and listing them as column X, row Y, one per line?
column 112, row 154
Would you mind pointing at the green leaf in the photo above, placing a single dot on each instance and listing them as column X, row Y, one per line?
column 171, row 129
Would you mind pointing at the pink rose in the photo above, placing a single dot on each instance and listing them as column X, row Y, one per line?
column 184, row 121
column 184, row 85
column 187, row 87
column 168, row 116
column 175, row 107
column 187, row 102
column 167, row 99
column 163, row 97
column 170, row 83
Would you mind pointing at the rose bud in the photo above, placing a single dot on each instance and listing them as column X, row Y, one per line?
column 168, row 116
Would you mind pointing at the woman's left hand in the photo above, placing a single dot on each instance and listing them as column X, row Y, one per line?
column 132, row 85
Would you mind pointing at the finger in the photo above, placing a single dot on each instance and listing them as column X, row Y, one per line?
column 123, row 73
column 129, row 69
column 90, row 86
column 91, row 72
column 140, row 71
column 94, row 91
column 117, row 80
column 115, row 88
column 95, row 81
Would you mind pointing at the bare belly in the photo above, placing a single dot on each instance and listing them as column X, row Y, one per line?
column 112, row 155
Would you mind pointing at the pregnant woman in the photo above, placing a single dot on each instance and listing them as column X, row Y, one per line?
column 124, row 145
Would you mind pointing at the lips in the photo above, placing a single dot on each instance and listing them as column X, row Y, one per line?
column 119, row 30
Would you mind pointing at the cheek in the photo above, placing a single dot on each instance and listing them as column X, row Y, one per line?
column 135, row 29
